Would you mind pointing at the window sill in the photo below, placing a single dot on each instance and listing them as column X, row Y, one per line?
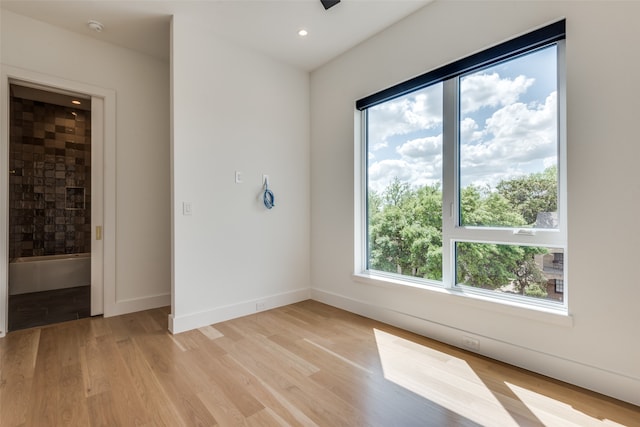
column 558, row 317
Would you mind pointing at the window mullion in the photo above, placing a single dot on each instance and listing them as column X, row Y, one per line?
column 450, row 210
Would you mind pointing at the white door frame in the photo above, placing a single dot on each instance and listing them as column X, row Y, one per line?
column 103, row 185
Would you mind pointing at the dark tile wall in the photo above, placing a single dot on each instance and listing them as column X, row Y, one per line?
column 50, row 179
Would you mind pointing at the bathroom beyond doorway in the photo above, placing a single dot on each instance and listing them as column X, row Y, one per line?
column 49, row 206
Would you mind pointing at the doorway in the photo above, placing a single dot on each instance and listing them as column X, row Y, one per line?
column 103, row 183
column 103, row 240
column 49, row 206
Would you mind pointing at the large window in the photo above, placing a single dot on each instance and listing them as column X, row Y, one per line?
column 463, row 174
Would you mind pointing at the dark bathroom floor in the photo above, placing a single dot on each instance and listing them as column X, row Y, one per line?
column 44, row 308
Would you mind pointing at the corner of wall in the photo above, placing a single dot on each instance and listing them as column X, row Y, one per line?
column 190, row 321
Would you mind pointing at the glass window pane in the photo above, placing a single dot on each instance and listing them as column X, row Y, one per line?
column 529, row 271
column 508, row 133
column 404, row 185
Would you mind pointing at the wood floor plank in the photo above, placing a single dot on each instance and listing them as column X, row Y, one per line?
column 222, row 407
column 95, row 373
column 178, row 380
column 271, row 399
column 43, row 405
column 17, row 365
column 103, row 410
column 121, row 387
column 98, row 326
column 211, row 332
column 226, row 384
column 69, row 335
column 147, row 387
column 266, row 417
column 73, row 410
column 306, row 364
column 312, row 399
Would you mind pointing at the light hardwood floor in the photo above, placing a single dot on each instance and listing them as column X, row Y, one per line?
column 306, row 364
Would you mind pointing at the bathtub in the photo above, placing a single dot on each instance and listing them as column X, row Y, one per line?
column 45, row 273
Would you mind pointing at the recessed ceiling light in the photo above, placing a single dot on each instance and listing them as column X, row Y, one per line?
column 76, row 102
column 302, row 32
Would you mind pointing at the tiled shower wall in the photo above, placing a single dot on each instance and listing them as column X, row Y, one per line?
column 50, row 179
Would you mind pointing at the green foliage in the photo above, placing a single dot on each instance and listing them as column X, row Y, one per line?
column 535, row 290
column 484, row 208
column 397, row 193
column 529, row 279
column 492, row 266
column 485, row 266
column 405, row 232
column 532, row 194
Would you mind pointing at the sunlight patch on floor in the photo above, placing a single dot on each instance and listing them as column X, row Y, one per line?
column 552, row 412
column 440, row 378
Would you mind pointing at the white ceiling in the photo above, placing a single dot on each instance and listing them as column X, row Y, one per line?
column 268, row 26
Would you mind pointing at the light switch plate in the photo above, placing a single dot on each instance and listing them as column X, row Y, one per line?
column 186, row 208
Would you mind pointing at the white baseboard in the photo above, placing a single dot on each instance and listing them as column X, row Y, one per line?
column 593, row 378
column 190, row 321
column 136, row 304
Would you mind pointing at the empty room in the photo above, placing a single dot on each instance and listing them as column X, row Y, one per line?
column 319, row 213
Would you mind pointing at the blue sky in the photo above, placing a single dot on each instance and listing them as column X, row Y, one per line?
column 508, row 119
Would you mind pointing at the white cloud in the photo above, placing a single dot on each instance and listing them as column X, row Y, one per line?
column 517, row 139
column 421, row 148
column 416, row 112
column 379, row 146
column 550, row 161
column 383, row 172
column 489, row 90
column 417, row 173
column 469, row 130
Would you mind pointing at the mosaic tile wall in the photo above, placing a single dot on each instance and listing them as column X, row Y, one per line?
column 50, row 179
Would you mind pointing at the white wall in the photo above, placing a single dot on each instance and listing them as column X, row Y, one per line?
column 236, row 110
column 141, row 84
column 599, row 347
